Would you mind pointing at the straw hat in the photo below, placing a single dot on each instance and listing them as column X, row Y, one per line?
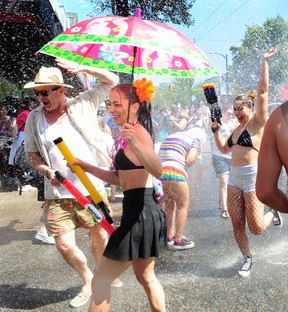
column 48, row 76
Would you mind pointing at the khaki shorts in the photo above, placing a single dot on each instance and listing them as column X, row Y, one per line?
column 63, row 215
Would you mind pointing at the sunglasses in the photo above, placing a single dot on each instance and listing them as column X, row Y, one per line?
column 45, row 92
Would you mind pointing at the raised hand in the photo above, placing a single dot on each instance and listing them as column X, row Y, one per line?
column 269, row 54
column 68, row 65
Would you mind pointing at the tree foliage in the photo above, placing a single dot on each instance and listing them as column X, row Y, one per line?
column 244, row 73
column 7, row 88
column 187, row 92
column 177, row 12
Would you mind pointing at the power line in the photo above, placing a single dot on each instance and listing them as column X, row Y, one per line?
column 223, row 19
column 216, row 40
column 209, row 16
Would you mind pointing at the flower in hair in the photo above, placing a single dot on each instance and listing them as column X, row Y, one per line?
column 144, row 89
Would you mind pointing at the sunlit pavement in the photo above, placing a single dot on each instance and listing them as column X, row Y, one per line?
column 34, row 277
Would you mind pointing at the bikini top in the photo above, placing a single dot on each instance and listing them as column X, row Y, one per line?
column 243, row 140
column 122, row 162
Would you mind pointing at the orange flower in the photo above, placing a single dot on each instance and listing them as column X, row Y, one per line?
column 144, row 89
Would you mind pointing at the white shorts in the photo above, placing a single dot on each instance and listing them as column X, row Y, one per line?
column 243, row 177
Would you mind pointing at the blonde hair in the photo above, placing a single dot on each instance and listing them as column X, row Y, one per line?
column 248, row 98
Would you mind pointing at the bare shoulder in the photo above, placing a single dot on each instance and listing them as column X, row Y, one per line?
column 278, row 123
column 279, row 116
column 140, row 130
column 143, row 134
column 284, row 111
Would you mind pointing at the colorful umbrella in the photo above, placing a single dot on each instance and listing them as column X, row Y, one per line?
column 131, row 45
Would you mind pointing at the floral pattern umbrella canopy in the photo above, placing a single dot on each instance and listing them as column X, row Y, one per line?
column 131, row 45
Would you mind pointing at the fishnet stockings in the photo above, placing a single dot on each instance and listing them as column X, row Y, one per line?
column 242, row 207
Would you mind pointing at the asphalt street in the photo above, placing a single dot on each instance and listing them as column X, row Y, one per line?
column 34, row 277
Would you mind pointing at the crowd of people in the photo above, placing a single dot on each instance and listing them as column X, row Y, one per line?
column 247, row 153
column 13, row 114
column 168, row 121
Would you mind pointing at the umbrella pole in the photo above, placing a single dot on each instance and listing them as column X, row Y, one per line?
column 132, row 79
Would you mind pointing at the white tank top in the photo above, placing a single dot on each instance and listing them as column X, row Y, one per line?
column 79, row 148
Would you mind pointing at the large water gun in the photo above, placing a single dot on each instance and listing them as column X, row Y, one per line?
column 97, row 198
column 212, row 100
column 85, row 202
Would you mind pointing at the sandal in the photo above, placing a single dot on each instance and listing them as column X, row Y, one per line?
column 225, row 214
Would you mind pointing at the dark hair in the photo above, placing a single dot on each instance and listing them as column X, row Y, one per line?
column 144, row 112
column 247, row 98
column 24, row 104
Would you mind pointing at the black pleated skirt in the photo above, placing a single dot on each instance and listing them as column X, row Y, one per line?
column 143, row 228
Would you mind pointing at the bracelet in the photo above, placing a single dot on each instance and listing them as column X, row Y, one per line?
column 46, row 173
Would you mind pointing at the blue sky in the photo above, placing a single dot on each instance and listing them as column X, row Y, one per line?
column 219, row 24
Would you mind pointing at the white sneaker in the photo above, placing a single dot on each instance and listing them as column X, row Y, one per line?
column 26, row 188
column 183, row 245
column 43, row 236
column 170, row 241
column 117, row 283
column 81, row 299
column 277, row 220
column 247, row 266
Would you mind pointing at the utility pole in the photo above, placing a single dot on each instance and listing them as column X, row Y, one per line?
column 226, row 67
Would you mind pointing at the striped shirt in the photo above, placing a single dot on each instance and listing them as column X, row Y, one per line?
column 176, row 147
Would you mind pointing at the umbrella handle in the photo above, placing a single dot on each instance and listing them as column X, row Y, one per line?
column 138, row 12
column 132, row 79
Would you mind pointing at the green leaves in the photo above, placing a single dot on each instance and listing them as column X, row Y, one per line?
column 244, row 73
column 163, row 11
